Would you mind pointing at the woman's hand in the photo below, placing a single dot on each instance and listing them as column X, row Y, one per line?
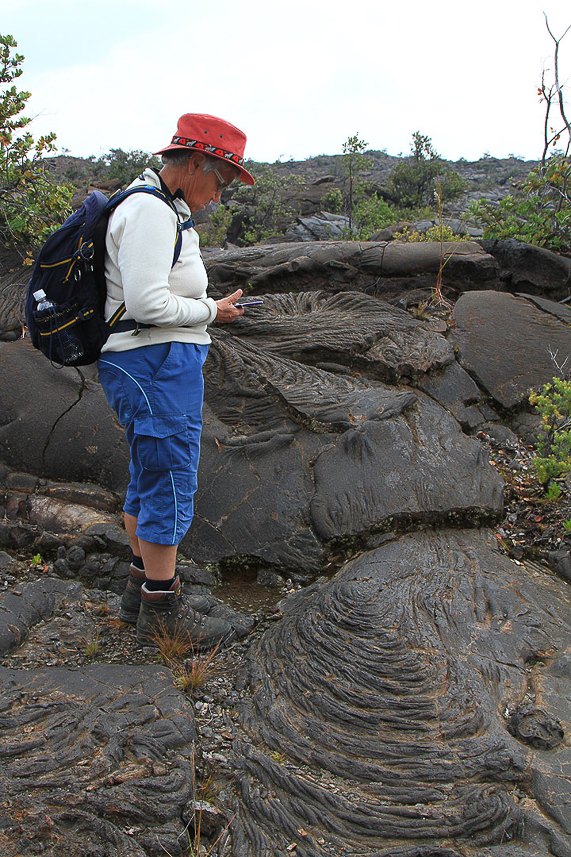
column 227, row 312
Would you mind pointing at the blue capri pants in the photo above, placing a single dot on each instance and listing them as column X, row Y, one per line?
column 157, row 392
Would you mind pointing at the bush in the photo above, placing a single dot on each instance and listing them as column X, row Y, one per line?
column 438, row 233
column 371, row 214
column 553, row 404
column 216, row 229
column 412, row 183
column 31, row 204
column 539, row 212
column 124, row 166
column 332, row 201
column 265, row 211
column 353, row 163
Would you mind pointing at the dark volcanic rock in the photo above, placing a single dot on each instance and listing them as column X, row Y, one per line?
column 351, row 329
column 415, row 705
column 83, row 752
column 294, row 457
column 384, row 709
column 57, row 424
column 525, row 268
column 505, row 343
column 24, row 607
column 13, row 280
column 559, row 310
column 416, row 466
column 457, row 392
column 376, row 267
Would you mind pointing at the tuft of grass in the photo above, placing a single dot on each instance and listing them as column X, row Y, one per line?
column 195, row 848
column 115, row 624
column 102, row 609
column 195, row 671
column 208, row 790
column 173, row 646
column 92, row 646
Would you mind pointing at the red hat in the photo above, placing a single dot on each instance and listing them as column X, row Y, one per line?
column 214, row 137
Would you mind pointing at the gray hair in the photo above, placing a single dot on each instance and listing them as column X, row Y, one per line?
column 176, row 157
column 210, row 164
column 180, row 158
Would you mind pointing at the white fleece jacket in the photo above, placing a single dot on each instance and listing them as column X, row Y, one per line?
column 138, row 269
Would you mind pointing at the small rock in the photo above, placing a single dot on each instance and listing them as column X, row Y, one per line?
column 5, row 560
column 21, row 482
column 269, row 578
column 75, row 557
column 191, row 573
column 560, row 561
column 62, row 569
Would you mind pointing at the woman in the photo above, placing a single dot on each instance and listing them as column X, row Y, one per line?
column 151, row 367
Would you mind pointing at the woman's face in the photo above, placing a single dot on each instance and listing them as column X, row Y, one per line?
column 200, row 189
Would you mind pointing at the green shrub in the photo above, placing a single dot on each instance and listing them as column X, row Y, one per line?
column 371, row 214
column 332, row 201
column 124, row 166
column 539, row 211
column 553, row 404
column 31, row 205
column 215, row 233
column 437, row 233
column 412, row 183
column 264, row 206
column 353, row 163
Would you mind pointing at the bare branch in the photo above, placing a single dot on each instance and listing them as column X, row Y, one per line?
column 555, row 92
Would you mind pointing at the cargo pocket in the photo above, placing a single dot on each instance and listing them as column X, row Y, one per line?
column 162, row 442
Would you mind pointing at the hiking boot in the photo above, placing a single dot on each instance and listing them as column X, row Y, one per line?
column 170, row 614
column 131, row 600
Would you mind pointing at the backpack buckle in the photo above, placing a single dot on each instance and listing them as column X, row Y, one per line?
column 87, row 251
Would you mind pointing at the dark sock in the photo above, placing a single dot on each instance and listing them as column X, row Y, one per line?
column 137, row 561
column 159, row 585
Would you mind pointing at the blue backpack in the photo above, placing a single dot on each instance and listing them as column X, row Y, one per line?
column 67, row 322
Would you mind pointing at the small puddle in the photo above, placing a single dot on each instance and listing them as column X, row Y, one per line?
column 240, row 590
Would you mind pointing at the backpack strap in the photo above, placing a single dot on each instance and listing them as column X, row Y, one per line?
column 99, row 239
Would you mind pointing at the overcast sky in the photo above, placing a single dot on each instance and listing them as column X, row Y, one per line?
column 298, row 77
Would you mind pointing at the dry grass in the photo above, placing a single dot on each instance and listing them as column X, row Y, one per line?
column 173, row 646
column 116, row 624
column 102, row 609
column 92, row 645
column 195, row 671
column 176, row 647
column 203, row 793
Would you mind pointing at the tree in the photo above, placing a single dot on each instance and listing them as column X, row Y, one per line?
column 539, row 210
column 264, row 210
column 213, row 234
column 353, row 161
column 30, row 203
column 124, row 166
column 413, row 181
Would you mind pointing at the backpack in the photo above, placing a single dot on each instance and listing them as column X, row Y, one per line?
column 68, row 326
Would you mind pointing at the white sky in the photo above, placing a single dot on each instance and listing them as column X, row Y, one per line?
column 299, row 77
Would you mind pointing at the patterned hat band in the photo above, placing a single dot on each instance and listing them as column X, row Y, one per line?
column 209, row 149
